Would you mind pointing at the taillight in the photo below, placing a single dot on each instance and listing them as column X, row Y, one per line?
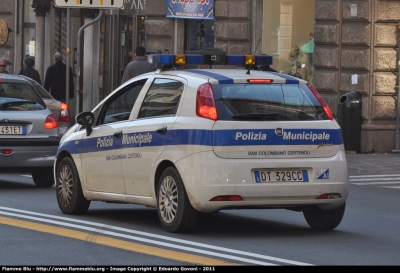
column 205, row 104
column 227, row 198
column 329, row 196
column 64, row 112
column 321, row 101
column 6, row 151
column 51, row 122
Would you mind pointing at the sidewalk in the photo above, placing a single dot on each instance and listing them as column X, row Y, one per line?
column 374, row 163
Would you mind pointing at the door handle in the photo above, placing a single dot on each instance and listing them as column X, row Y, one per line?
column 162, row 130
column 118, row 134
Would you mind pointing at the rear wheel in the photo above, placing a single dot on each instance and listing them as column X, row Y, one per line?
column 43, row 177
column 175, row 212
column 320, row 219
column 70, row 197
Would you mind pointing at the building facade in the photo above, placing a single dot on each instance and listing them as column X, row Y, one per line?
column 337, row 45
column 360, row 39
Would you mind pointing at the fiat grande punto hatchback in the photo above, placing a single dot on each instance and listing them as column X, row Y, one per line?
column 202, row 140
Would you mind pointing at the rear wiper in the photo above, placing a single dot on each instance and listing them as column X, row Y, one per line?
column 16, row 102
column 256, row 116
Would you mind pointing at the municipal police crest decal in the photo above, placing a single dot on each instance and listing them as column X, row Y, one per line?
column 322, row 173
column 279, row 131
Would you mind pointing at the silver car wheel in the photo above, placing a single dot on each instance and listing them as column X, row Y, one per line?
column 65, row 185
column 168, row 201
column 69, row 192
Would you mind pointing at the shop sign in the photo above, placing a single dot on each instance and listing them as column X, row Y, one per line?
column 190, row 9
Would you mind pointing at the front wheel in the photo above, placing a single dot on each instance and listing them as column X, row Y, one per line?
column 175, row 212
column 70, row 197
column 43, row 177
column 320, row 219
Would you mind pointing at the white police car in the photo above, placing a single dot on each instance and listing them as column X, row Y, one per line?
column 204, row 140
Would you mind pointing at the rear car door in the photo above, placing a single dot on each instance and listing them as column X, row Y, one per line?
column 146, row 137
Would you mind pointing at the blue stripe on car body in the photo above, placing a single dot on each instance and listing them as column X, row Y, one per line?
column 289, row 79
column 216, row 138
column 220, row 78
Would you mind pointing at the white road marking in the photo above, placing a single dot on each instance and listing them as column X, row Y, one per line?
column 379, row 179
column 376, row 183
column 374, row 175
column 151, row 235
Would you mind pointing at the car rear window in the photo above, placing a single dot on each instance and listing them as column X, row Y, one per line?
column 272, row 102
column 43, row 92
column 20, row 97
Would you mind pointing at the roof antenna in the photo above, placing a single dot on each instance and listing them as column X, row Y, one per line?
column 248, row 71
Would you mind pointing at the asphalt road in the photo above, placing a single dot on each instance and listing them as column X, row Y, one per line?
column 373, row 163
column 33, row 231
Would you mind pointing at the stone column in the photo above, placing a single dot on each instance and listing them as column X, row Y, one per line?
column 285, row 30
column 50, row 32
column 380, row 134
column 41, row 7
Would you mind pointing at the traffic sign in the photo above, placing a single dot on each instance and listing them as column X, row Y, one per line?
column 88, row 4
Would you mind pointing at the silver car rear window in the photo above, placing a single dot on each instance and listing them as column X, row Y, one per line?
column 19, row 96
column 267, row 102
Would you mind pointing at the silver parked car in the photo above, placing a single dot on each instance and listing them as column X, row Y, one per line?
column 29, row 133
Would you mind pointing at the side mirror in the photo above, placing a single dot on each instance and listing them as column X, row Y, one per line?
column 86, row 119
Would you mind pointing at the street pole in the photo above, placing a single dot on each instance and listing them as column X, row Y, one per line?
column 78, row 70
column 68, row 51
column 398, row 92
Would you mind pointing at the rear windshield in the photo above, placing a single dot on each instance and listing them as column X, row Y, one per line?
column 19, row 97
column 274, row 102
column 43, row 92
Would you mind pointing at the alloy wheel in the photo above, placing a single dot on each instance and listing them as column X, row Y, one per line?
column 168, row 201
column 65, row 185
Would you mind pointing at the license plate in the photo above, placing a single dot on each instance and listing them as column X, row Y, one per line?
column 281, row 176
column 12, row 130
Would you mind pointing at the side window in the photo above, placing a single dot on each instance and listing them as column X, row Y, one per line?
column 162, row 99
column 119, row 107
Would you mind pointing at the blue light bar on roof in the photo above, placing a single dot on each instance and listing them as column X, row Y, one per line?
column 162, row 59
column 194, row 59
column 198, row 59
column 263, row 60
column 234, row 60
column 179, row 59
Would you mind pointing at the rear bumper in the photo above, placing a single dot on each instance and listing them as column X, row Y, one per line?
column 211, row 176
column 29, row 142
column 25, row 157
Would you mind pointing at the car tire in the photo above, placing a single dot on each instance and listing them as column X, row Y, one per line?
column 70, row 197
column 320, row 219
column 43, row 177
column 175, row 212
